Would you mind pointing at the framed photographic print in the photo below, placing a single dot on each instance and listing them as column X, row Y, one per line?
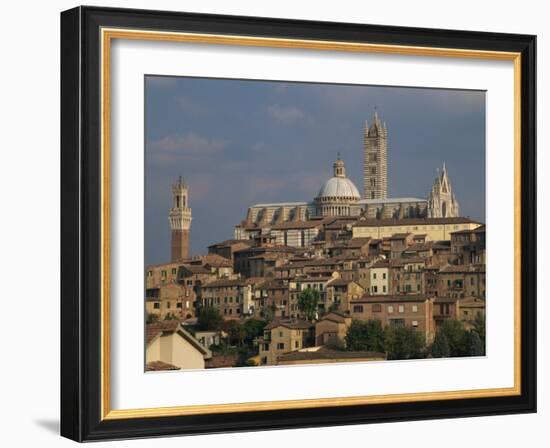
column 276, row 224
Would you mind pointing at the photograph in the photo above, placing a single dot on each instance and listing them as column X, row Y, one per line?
column 292, row 223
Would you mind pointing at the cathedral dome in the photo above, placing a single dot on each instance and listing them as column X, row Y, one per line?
column 339, row 187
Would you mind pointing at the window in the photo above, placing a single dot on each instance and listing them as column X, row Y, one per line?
column 397, row 322
column 149, row 273
column 390, row 309
column 384, row 276
column 296, row 344
column 280, row 334
column 281, row 346
column 168, row 305
column 163, row 275
column 401, row 308
column 174, row 271
column 375, row 289
column 156, row 306
column 376, row 308
column 374, row 275
column 178, row 305
column 415, row 323
column 357, row 308
column 415, row 308
column 384, row 288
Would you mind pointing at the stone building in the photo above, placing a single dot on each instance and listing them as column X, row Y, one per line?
column 442, row 202
column 284, row 336
column 460, row 281
column 437, row 229
column 375, row 159
column 409, row 310
column 468, row 246
column 332, row 328
column 180, row 221
column 170, row 300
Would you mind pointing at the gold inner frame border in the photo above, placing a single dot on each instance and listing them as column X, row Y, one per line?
column 107, row 36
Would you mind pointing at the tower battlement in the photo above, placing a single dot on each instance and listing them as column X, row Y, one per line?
column 180, row 217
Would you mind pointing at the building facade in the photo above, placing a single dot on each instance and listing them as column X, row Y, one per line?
column 442, row 202
column 180, row 221
column 375, row 159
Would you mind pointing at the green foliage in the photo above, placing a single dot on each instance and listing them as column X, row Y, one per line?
column 440, row 346
column 365, row 336
column 152, row 318
column 308, row 300
column 335, row 343
column 456, row 335
column 334, row 307
column 235, row 332
column 253, row 328
column 170, row 316
column 403, row 343
column 474, row 345
column 208, row 319
column 479, row 328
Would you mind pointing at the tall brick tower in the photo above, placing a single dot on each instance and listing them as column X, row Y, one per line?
column 180, row 221
column 375, row 160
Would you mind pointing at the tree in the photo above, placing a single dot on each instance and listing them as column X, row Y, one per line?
column 456, row 336
column 335, row 343
column 365, row 336
column 479, row 328
column 335, row 306
column 208, row 319
column 152, row 318
column 403, row 343
column 440, row 346
column 474, row 345
column 235, row 331
column 307, row 302
column 253, row 328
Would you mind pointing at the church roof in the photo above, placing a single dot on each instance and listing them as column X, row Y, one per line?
column 339, row 187
column 389, row 201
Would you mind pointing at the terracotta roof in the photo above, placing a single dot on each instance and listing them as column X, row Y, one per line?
column 272, row 284
column 335, row 317
column 157, row 328
column 340, row 282
column 196, row 269
column 388, row 298
column 417, row 247
column 218, row 361
column 224, row 283
column 479, row 229
column 270, row 248
column 462, row 268
column 297, row 225
column 400, row 236
column 294, row 324
column 152, row 331
column 155, row 366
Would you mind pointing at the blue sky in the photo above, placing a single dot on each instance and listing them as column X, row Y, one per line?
column 241, row 142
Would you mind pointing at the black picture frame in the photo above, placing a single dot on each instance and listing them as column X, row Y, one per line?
column 81, row 224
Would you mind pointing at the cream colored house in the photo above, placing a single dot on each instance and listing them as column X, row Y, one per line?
column 380, row 278
column 436, row 229
column 170, row 343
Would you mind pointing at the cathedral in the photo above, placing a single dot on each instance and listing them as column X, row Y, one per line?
column 339, row 197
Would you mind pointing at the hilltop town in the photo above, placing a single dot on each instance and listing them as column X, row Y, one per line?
column 342, row 278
